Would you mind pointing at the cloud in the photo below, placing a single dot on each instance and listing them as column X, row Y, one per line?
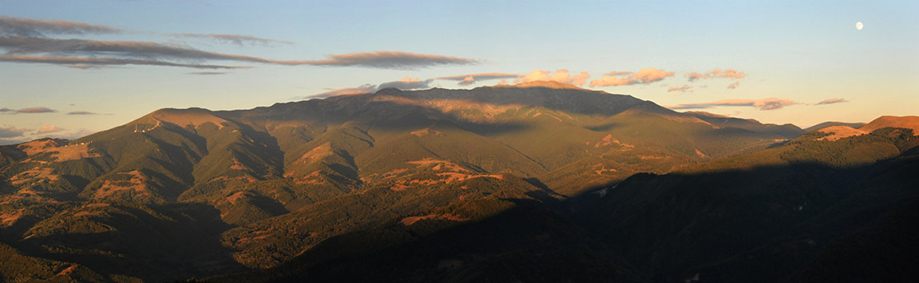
column 135, row 49
column 618, row 74
column 470, row 79
column 402, row 84
column 4, row 109
column 561, row 76
column 12, row 132
column 106, row 61
column 82, row 113
column 771, row 103
column 734, row 85
column 33, row 110
column 367, row 88
column 683, row 88
column 385, row 60
column 832, row 101
column 72, row 135
column 207, row 73
column 717, row 73
column 406, row 84
column 643, row 76
column 234, row 38
column 47, row 129
column 87, row 67
column 149, row 51
column 38, row 28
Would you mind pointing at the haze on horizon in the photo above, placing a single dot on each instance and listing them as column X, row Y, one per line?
column 68, row 69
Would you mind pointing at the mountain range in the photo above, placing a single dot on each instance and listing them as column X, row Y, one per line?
column 540, row 182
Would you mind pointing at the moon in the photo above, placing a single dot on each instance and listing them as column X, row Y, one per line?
column 859, row 25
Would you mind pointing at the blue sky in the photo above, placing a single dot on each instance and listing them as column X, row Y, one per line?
column 775, row 61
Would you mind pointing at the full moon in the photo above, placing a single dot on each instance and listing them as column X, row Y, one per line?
column 859, row 25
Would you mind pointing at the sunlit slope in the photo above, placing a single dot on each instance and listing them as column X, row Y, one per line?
column 273, row 182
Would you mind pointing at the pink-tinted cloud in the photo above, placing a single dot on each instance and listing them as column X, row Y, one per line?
column 384, row 60
column 771, row 103
column 734, row 85
column 717, row 73
column 32, row 110
column 406, row 83
column 38, row 28
column 234, row 38
column 561, row 76
column 47, row 129
column 367, row 88
column 465, row 80
column 683, row 88
column 643, row 76
column 832, row 101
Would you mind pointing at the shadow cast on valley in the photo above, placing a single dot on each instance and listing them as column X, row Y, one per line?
column 765, row 224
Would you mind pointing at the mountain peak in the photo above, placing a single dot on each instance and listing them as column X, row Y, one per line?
column 182, row 117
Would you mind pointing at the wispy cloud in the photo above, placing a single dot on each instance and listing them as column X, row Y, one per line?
column 233, row 38
column 207, row 73
column 618, row 73
column 32, row 110
column 643, row 76
column 470, row 79
column 771, row 103
column 106, row 61
column 561, row 76
column 683, row 88
column 135, row 49
column 734, row 85
column 402, row 84
column 716, row 73
column 367, row 88
column 385, row 60
column 87, row 67
column 832, row 101
column 82, row 113
column 47, row 129
column 152, row 50
column 21, row 37
column 39, row 28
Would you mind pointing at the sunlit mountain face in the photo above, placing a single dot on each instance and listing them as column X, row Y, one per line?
column 369, row 141
column 540, row 172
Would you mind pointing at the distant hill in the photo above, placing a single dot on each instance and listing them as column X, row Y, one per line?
column 786, row 131
column 830, row 124
column 842, row 131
